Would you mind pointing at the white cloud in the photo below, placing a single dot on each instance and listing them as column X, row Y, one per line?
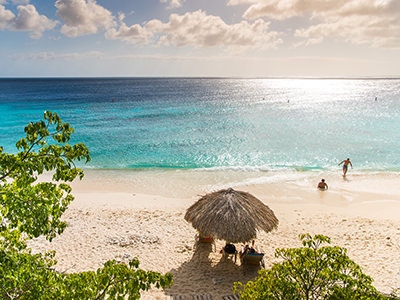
column 28, row 19
column 53, row 56
column 3, row 2
column 239, row 2
column 173, row 3
column 6, row 17
column 376, row 22
column 201, row 30
column 135, row 34
column 198, row 29
column 281, row 10
column 357, row 30
column 83, row 17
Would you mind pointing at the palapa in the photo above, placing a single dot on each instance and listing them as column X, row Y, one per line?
column 230, row 215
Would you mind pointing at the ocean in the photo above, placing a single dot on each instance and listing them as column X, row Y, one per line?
column 272, row 126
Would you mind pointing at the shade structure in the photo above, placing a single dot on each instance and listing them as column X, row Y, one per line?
column 230, row 215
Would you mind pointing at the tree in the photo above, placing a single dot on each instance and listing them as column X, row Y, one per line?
column 311, row 272
column 29, row 209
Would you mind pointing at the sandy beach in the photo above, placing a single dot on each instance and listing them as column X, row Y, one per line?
column 119, row 215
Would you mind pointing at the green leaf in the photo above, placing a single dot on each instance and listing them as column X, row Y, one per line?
column 30, row 209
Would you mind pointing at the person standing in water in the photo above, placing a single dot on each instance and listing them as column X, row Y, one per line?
column 346, row 164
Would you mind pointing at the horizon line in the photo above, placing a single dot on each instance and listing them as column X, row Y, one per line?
column 206, row 77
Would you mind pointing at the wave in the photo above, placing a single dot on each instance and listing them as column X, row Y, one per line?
column 245, row 168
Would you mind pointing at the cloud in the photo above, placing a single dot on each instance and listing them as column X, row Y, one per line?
column 3, row 2
column 135, row 34
column 239, row 2
column 357, row 30
column 374, row 22
column 201, row 30
column 173, row 3
column 6, row 17
column 197, row 29
column 53, row 56
column 28, row 19
column 83, row 17
column 281, row 10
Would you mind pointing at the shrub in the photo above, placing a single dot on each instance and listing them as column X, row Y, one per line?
column 29, row 209
column 312, row 272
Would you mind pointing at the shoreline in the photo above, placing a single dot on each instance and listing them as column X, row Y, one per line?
column 349, row 193
column 120, row 215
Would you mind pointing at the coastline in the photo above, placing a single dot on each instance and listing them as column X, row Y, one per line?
column 121, row 214
column 358, row 194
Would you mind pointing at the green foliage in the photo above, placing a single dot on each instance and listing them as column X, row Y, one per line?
column 36, row 209
column 25, row 275
column 32, row 276
column 312, row 272
column 29, row 208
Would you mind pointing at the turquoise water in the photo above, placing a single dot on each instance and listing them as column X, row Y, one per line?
column 236, row 124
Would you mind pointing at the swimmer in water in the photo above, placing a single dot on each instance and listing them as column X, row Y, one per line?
column 322, row 185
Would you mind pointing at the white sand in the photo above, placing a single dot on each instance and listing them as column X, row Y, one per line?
column 120, row 219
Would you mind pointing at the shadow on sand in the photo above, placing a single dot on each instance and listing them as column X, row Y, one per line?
column 208, row 272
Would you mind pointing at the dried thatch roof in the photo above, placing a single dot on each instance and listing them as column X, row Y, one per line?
column 231, row 215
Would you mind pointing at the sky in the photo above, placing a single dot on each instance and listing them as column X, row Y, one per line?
column 200, row 38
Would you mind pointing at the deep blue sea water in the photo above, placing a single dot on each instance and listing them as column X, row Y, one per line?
column 189, row 123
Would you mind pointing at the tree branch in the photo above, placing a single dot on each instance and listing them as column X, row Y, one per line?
column 30, row 149
column 101, row 296
column 5, row 293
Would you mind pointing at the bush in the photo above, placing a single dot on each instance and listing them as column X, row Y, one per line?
column 312, row 272
column 29, row 209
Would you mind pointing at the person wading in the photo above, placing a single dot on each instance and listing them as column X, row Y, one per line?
column 346, row 164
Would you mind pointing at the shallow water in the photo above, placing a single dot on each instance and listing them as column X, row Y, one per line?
column 265, row 125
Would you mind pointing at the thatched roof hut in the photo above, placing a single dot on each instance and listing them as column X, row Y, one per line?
column 231, row 215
